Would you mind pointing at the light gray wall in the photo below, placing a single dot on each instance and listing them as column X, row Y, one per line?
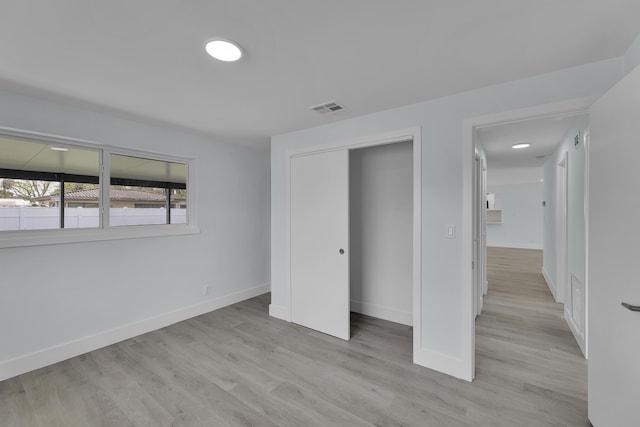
column 501, row 176
column 632, row 56
column 50, row 295
column 381, row 241
column 441, row 122
column 521, row 206
column 575, row 211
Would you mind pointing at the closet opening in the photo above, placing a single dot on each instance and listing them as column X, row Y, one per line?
column 381, row 242
column 354, row 241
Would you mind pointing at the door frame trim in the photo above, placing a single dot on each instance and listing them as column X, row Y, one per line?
column 469, row 126
column 561, row 292
column 586, row 140
column 479, row 221
column 401, row 135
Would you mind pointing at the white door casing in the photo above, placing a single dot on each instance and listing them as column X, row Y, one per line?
column 474, row 262
column 478, row 229
column 614, row 250
column 421, row 356
column 483, row 223
column 585, row 314
column 562, row 275
column 320, row 242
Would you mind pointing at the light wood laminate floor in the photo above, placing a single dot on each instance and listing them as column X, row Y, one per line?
column 239, row 367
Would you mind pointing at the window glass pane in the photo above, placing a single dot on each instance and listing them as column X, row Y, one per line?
column 146, row 191
column 22, row 205
column 31, row 174
column 81, row 205
column 45, row 157
column 131, row 205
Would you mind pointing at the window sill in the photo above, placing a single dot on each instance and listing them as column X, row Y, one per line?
column 14, row 239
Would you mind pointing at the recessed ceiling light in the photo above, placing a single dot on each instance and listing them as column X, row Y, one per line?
column 541, row 179
column 518, row 146
column 223, row 50
column 59, row 149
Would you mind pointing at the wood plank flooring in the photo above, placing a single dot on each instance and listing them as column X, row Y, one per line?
column 523, row 342
column 239, row 367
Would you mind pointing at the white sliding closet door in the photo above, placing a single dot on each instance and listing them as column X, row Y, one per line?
column 320, row 242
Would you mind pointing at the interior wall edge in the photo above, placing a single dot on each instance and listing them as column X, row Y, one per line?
column 280, row 312
column 454, row 366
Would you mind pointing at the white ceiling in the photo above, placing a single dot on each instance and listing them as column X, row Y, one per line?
column 544, row 134
column 146, row 59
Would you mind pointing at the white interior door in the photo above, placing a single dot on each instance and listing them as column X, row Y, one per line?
column 614, row 250
column 320, row 242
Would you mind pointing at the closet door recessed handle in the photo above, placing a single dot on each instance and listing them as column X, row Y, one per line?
column 341, row 251
column 631, row 307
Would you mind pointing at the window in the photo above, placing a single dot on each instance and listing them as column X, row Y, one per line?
column 32, row 175
column 51, row 183
column 144, row 190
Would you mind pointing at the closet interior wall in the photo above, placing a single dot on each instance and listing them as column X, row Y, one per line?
column 381, row 231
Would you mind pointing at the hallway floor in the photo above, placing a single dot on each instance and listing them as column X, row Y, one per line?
column 523, row 342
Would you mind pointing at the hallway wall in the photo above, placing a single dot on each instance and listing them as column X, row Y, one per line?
column 521, row 205
column 576, row 212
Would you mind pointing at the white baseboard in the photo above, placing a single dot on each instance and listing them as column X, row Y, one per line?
column 442, row 363
column 279, row 312
column 385, row 313
column 515, row 245
column 48, row 356
column 550, row 284
column 576, row 334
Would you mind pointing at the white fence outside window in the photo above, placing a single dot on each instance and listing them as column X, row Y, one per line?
column 40, row 218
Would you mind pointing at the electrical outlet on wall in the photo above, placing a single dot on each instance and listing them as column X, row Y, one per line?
column 206, row 290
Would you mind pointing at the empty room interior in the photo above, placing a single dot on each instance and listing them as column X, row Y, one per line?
column 246, row 213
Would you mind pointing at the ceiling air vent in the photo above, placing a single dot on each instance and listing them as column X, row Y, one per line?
column 327, row 108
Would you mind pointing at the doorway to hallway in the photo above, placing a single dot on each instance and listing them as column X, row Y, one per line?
column 522, row 341
column 523, row 187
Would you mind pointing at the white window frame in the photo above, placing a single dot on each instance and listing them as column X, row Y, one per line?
column 19, row 238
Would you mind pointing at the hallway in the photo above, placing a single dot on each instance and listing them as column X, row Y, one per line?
column 523, row 343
